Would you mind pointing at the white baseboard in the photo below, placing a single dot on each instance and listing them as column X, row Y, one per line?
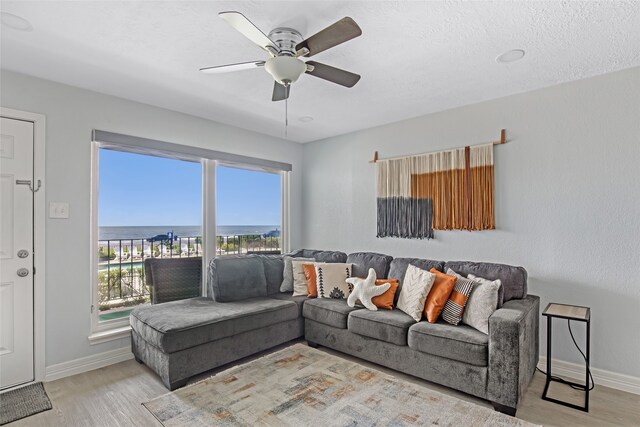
column 89, row 363
column 600, row 376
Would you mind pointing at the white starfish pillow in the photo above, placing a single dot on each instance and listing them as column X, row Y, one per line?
column 365, row 289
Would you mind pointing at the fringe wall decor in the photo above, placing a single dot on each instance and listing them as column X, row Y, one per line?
column 447, row 190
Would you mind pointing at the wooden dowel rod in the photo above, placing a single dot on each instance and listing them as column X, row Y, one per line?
column 503, row 140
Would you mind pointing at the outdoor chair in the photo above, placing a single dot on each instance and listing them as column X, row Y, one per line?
column 135, row 254
column 173, row 279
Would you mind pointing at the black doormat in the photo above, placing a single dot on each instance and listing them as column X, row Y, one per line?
column 23, row 402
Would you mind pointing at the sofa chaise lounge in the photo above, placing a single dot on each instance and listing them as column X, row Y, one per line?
column 245, row 313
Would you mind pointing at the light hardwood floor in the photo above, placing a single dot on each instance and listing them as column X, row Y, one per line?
column 113, row 396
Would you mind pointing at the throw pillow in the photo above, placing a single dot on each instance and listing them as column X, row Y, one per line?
column 385, row 301
column 365, row 289
column 415, row 288
column 454, row 307
column 331, row 279
column 483, row 301
column 310, row 274
column 300, row 287
column 287, row 274
column 438, row 296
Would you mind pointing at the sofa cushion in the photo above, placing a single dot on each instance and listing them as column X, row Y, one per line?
column 398, row 268
column 385, row 325
column 363, row 261
column 303, row 253
column 236, row 277
column 286, row 296
column 514, row 279
column 319, row 256
column 332, row 312
column 178, row 325
column 330, row 256
column 273, row 269
column 462, row 342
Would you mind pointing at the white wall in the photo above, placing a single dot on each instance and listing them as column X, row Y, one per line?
column 71, row 115
column 567, row 200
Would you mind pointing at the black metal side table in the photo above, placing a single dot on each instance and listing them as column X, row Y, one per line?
column 570, row 312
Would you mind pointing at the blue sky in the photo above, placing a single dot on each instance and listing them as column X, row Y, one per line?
column 144, row 190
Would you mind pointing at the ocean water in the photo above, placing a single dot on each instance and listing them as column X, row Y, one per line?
column 144, row 232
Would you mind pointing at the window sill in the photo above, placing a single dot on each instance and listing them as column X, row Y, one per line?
column 110, row 335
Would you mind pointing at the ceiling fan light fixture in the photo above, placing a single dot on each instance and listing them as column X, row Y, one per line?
column 285, row 69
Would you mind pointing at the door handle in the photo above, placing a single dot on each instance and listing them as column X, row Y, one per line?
column 28, row 182
column 23, row 272
column 23, row 253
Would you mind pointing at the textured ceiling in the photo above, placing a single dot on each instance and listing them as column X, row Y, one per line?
column 414, row 57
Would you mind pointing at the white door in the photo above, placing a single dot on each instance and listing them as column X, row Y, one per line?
column 16, row 252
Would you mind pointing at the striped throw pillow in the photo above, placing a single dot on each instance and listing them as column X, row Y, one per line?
column 454, row 307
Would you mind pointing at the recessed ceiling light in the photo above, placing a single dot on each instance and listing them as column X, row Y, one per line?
column 306, row 119
column 16, row 22
column 510, row 56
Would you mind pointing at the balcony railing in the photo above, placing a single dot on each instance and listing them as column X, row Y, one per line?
column 121, row 281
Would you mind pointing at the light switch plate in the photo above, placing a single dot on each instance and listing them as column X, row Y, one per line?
column 58, row 210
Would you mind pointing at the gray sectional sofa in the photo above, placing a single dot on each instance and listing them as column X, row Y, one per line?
column 245, row 313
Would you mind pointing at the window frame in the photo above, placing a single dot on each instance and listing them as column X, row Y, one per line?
column 107, row 330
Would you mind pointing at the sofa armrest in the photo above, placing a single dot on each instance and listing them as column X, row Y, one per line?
column 513, row 350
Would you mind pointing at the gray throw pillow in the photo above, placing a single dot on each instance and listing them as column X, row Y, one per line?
column 482, row 302
column 287, row 274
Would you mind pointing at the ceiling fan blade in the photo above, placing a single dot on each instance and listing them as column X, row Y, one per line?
column 332, row 74
column 250, row 31
column 340, row 32
column 232, row 67
column 280, row 92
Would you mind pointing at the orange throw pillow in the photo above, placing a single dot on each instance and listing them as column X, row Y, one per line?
column 439, row 294
column 385, row 301
column 310, row 274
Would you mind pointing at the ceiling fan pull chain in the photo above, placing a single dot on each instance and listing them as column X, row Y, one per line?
column 286, row 116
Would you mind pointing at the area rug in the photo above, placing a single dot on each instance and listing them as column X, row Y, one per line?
column 23, row 402
column 301, row 386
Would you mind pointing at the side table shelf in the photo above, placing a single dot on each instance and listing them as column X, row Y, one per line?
column 569, row 312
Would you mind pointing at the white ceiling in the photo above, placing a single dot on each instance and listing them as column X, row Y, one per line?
column 415, row 57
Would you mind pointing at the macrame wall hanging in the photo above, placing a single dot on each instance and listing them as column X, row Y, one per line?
column 447, row 190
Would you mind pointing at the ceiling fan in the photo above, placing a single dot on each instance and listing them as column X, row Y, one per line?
column 288, row 51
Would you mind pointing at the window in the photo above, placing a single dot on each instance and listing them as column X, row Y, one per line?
column 248, row 211
column 154, row 199
column 148, row 207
